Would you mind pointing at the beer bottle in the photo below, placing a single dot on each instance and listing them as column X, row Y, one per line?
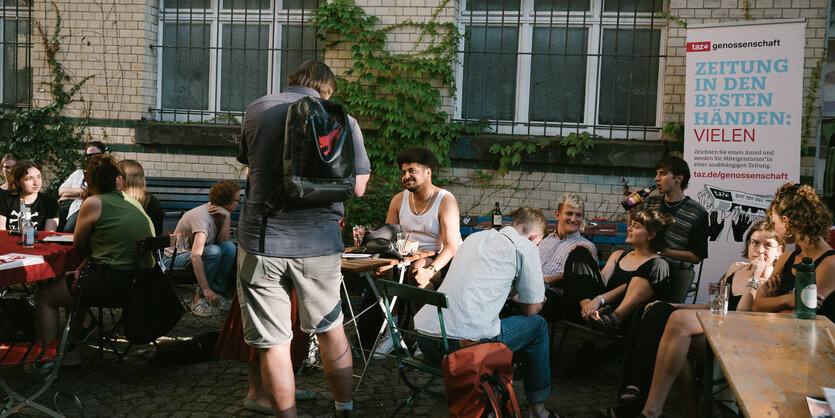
column 497, row 216
column 805, row 290
column 27, row 229
column 637, row 197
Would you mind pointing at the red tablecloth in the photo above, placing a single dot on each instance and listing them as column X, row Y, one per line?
column 58, row 259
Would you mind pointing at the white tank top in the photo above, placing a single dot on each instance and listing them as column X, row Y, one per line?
column 425, row 228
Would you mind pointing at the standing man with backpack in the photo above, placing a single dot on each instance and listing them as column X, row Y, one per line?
column 285, row 244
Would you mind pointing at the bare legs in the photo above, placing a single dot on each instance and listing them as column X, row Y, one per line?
column 48, row 298
column 672, row 354
column 277, row 371
column 256, row 388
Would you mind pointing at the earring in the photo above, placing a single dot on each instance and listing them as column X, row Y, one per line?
column 789, row 233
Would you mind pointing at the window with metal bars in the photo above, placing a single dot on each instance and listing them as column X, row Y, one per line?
column 16, row 30
column 552, row 67
column 217, row 56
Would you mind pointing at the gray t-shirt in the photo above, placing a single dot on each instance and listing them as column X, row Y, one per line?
column 192, row 222
column 299, row 230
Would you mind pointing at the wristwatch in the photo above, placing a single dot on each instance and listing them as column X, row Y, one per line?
column 753, row 283
column 602, row 301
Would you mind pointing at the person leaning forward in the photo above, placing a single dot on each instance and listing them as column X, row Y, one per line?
column 300, row 249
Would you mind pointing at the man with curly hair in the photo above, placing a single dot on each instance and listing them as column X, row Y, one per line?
column 204, row 246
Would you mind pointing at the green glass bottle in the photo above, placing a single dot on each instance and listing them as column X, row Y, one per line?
column 805, row 290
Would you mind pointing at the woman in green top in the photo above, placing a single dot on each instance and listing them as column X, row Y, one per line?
column 109, row 223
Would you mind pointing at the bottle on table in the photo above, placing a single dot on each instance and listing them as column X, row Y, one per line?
column 637, row 197
column 497, row 216
column 805, row 290
column 27, row 229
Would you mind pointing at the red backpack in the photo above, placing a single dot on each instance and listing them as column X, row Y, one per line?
column 478, row 380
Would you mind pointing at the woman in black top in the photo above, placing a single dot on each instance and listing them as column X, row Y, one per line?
column 678, row 325
column 134, row 186
column 25, row 186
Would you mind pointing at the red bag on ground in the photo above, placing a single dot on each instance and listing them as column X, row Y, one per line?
column 478, row 379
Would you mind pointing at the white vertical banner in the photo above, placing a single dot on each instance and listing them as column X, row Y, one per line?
column 743, row 116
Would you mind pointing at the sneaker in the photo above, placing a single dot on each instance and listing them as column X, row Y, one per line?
column 417, row 353
column 222, row 303
column 202, row 308
column 385, row 347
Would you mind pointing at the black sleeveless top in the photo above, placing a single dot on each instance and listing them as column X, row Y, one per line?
column 655, row 270
column 788, row 278
column 733, row 300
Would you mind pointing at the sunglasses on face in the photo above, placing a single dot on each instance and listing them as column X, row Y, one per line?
column 88, row 156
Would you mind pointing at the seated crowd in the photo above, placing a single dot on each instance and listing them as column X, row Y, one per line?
column 545, row 276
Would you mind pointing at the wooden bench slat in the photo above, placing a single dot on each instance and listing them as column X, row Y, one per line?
column 34, row 353
column 15, row 354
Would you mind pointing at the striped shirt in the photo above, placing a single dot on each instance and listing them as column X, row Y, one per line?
column 553, row 251
column 689, row 232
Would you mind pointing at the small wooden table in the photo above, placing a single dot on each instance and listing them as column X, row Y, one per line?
column 364, row 267
column 771, row 361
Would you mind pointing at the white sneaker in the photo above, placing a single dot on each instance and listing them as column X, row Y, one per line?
column 202, row 308
column 417, row 353
column 222, row 303
column 386, row 346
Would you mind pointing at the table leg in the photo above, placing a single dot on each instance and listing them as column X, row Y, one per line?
column 707, row 382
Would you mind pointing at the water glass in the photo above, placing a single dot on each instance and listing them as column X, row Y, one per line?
column 402, row 243
column 359, row 233
column 718, row 297
column 413, row 246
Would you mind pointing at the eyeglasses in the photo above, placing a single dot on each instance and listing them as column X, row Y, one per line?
column 88, row 156
column 767, row 245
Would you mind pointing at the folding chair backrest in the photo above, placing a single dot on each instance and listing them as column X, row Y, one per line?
column 678, row 286
column 415, row 295
column 156, row 245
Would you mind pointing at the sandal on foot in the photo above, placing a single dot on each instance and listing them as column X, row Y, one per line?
column 305, row 395
column 607, row 324
column 631, row 396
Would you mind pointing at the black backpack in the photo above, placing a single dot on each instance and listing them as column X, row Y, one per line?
column 318, row 152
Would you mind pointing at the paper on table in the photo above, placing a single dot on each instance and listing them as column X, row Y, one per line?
column 829, row 394
column 818, row 408
column 15, row 260
column 62, row 239
column 356, row 255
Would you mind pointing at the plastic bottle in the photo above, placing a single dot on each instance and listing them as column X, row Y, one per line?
column 497, row 216
column 637, row 197
column 805, row 290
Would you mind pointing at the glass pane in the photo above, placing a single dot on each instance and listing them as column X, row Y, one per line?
column 643, row 6
column 17, row 74
column 16, row 3
column 558, row 74
column 301, row 4
column 187, row 4
column 298, row 44
column 561, row 5
column 489, row 88
column 246, row 4
column 629, row 77
column 244, row 65
column 185, row 66
column 493, row 5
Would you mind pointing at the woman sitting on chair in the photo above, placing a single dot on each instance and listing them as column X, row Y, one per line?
column 109, row 223
column 135, row 188
column 670, row 328
column 25, row 187
column 629, row 278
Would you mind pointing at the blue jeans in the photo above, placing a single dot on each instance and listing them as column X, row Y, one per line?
column 527, row 337
column 217, row 263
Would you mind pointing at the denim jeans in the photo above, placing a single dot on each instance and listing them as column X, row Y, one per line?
column 527, row 337
column 217, row 263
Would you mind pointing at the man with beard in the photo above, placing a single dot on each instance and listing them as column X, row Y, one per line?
column 430, row 214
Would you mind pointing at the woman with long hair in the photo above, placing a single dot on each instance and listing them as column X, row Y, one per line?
column 25, row 188
column 134, row 186
column 8, row 162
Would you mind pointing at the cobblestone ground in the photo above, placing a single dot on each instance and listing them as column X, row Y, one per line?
column 140, row 387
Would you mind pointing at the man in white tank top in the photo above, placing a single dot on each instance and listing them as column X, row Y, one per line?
column 428, row 212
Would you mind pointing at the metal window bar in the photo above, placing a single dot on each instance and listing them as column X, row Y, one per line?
column 16, row 57
column 633, row 116
column 247, row 51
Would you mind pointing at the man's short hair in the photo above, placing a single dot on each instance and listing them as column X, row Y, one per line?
column 316, row 75
column 677, row 166
column 422, row 156
column 224, row 192
column 531, row 218
column 571, row 199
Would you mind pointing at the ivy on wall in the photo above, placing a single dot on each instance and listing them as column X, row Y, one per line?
column 43, row 134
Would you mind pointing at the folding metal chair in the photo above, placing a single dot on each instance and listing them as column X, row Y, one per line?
column 404, row 357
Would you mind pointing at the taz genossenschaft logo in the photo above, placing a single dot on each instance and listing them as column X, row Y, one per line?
column 698, row 46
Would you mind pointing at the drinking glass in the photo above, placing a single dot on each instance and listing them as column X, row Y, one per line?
column 718, row 297
column 402, row 244
column 413, row 246
column 359, row 233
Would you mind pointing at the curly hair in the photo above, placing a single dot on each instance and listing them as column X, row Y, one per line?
column 224, row 192
column 531, row 217
column 18, row 173
column 807, row 214
column 101, row 173
column 419, row 155
column 655, row 222
column 765, row 226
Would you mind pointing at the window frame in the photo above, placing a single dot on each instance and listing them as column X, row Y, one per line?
column 16, row 12
column 595, row 21
column 275, row 17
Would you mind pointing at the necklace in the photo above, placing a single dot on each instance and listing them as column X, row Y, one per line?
column 414, row 206
column 669, row 206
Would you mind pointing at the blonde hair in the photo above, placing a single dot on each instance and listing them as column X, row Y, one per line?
column 807, row 215
column 134, row 180
column 571, row 199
